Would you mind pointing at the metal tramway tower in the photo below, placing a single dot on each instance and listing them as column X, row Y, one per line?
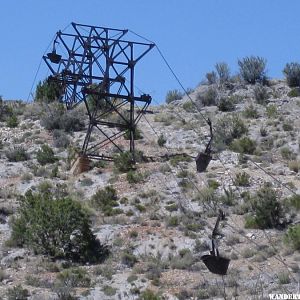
column 95, row 65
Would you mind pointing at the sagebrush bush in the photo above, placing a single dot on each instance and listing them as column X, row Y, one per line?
column 45, row 155
column 251, row 112
column 209, row 98
column 243, row 145
column 242, row 179
column 173, row 95
column 271, row 111
column 17, row 154
column 189, row 106
column 211, row 77
column 229, row 128
column 105, row 200
column 60, row 139
column 292, row 237
column 56, row 117
column 75, row 277
column 295, row 92
column 57, row 227
column 267, row 211
column 294, row 201
column 161, row 141
column 261, row 94
column 287, row 153
column 226, row 104
column 134, row 176
column 17, row 293
column 137, row 134
column 252, row 69
column 292, row 74
column 223, row 71
column 123, row 161
column 294, row 165
column 12, row 121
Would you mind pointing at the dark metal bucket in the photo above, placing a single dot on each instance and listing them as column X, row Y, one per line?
column 54, row 58
column 202, row 161
column 216, row 264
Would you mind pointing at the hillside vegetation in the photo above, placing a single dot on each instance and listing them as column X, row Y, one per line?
column 117, row 232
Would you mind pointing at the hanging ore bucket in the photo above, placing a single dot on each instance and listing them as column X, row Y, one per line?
column 202, row 161
column 54, row 57
column 213, row 261
column 216, row 264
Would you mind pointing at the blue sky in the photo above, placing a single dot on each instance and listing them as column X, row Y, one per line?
column 192, row 34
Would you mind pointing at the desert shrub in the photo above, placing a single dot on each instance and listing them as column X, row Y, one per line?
column 189, row 106
column 161, row 141
column 271, row 111
column 287, row 126
column 252, row 69
column 56, row 117
column 123, row 162
column 45, row 155
column 137, row 134
column 294, row 201
column 295, row 92
column 292, row 74
column 12, row 121
column 292, row 236
column 48, row 91
column 17, row 293
column 173, row 221
column 105, row 200
column 183, row 260
column 74, row 277
column 57, row 227
column 211, row 77
column 266, row 209
column 284, row 278
column 176, row 159
column 294, row 165
column 287, row 153
column 243, row 145
column 173, row 95
column 17, row 154
column 134, row 176
column 229, row 128
column 149, row 295
column 226, row 104
column 128, row 258
column 261, row 94
column 60, row 139
column 209, row 98
column 223, row 71
column 242, row 179
column 5, row 110
column 250, row 112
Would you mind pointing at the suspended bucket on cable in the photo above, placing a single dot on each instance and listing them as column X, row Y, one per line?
column 213, row 261
column 216, row 264
column 202, row 161
column 54, row 57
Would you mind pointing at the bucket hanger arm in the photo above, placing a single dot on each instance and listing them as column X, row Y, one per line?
column 208, row 147
column 215, row 250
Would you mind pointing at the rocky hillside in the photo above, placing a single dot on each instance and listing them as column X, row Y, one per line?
column 156, row 221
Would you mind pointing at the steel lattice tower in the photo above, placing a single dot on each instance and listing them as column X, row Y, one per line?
column 96, row 65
